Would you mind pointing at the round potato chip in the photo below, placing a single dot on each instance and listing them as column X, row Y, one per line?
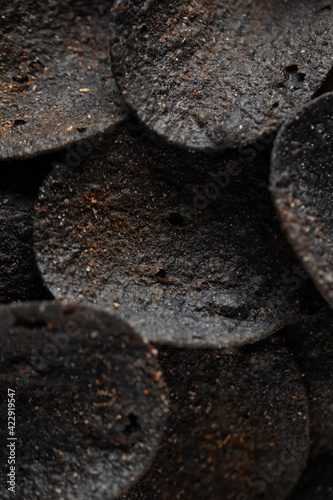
column 215, row 75
column 312, row 343
column 238, row 427
column 186, row 246
column 56, row 85
column 87, row 397
column 302, row 187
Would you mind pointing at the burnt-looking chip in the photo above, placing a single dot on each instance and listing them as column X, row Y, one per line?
column 56, row 86
column 312, row 342
column 19, row 184
column 185, row 245
column 212, row 74
column 18, row 270
column 89, row 401
column 238, row 426
column 302, row 186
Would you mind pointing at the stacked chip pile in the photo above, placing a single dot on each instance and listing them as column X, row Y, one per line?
column 166, row 250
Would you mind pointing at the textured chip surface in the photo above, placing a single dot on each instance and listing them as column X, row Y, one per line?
column 90, row 401
column 312, row 342
column 19, row 184
column 185, row 245
column 212, row 74
column 56, row 86
column 238, row 427
column 18, row 270
column 302, row 187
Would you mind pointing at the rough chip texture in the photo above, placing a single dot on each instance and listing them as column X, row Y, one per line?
column 302, row 185
column 56, row 86
column 312, row 342
column 19, row 184
column 238, row 427
column 317, row 481
column 90, row 402
column 18, row 270
column 212, row 74
column 185, row 245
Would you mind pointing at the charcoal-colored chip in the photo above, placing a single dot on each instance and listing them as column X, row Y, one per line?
column 316, row 482
column 312, row 303
column 238, row 427
column 302, row 185
column 18, row 271
column 219, row 74
column 312, row 343
column 185, row 245
column 19, row 184
column 56, row 86
column 89, row 401
column 327, row 85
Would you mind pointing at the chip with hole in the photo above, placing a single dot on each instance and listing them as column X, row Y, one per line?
column 238, row 426
column 186, row 246
column 56, row 85
column 89, row 401
column 215, row 75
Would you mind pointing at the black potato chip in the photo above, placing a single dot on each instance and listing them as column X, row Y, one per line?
column 89, row 402
column 302, row 186
column 312, row 342
column 238, row 427
column 215, row 75
column 19, row 184
column 56, row 86
column 186, row 246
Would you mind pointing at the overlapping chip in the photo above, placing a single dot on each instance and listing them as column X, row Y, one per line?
column 56, row 84
column 174, row 231
column 238, row 427
column 214, row 75
column 90, row 401
column 185, row 246
column 19, row 183
column 312, row 343
column 302, row 186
